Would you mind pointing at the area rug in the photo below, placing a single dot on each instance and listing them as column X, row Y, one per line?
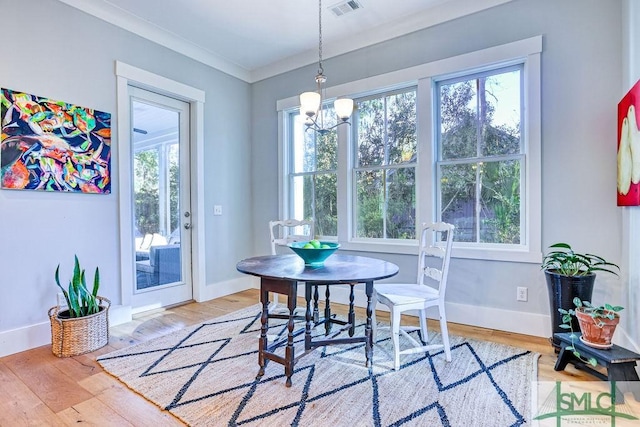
column 205, row 375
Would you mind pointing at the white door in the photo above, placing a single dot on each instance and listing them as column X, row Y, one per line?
column 161, row 204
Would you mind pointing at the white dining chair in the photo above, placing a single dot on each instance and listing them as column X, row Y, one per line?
column 282, row 233
column 429, row 291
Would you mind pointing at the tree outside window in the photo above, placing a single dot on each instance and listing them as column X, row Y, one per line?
column 481, row 156
column 156, row 212
column 470, row 158
column 386, row 158
column 146, row 192
column 314, row 163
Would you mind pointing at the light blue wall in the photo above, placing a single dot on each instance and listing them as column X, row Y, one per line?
column 56, row 51
column 581, row 81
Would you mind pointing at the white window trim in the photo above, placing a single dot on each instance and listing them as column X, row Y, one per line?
column 527, row 51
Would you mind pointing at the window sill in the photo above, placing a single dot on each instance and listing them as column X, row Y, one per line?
column 498, row 254
column 411, row 248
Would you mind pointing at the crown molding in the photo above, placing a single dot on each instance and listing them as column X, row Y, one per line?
column 442, row 12
column 125, row 20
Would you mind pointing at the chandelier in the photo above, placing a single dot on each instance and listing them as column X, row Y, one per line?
column 311, row 102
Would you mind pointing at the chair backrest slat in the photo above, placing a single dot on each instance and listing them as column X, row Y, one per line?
column 436, row 241
column 433, row 273
column 288, row 231
column 436, row 251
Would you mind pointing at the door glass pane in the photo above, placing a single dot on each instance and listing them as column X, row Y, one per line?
column 156, row 187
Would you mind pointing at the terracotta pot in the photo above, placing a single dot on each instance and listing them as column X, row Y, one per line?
column 598, row 331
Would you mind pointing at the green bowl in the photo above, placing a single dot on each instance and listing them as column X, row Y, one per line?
column 314, row 257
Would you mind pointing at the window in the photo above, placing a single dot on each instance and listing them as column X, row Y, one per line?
column 480, row 155
column 384, row 173
column 313, row 178
column 456, row 140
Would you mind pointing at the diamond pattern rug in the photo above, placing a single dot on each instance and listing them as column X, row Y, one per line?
column 205, row 375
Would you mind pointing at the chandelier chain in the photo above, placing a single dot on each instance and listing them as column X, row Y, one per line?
column 320, row 69
column 311, row 103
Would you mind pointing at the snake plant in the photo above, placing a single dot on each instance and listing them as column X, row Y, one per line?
column 80, row 300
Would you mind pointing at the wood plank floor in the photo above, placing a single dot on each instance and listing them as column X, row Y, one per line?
column 39, row 389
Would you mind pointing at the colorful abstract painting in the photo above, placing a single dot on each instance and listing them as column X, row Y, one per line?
column 50, row 145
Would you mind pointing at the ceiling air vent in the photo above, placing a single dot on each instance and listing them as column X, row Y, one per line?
column 345, row 7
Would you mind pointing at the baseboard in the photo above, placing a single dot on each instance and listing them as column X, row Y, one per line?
column 26, row 338
column 119, row 314
column 228, row 287
column 32, row 336
column 37, row 335
column 484, row 317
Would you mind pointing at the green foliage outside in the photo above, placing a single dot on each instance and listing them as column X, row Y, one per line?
column 479, row 163
column 319, row 155
column 147, row 191
column 385, row 170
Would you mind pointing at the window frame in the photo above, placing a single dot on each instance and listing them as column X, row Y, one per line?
column 355, row 167
column 479, row 157
column 292, row 174
column 527, row 52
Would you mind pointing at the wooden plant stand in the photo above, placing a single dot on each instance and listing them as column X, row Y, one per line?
column 619, row 362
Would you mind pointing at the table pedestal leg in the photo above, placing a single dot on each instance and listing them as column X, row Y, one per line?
column 368, row 330
column 316, row 314
column 289, row 351
column 266, row 352
column 309, row 315
column 352, row 313
column 327, row 312
column 262, row 342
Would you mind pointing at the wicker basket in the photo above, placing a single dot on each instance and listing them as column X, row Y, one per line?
column 74, row 336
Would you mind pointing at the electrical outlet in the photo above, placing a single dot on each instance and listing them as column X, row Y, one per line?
column 217, row 209
column 522, row 294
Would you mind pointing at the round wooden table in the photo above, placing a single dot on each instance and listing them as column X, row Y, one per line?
column 281, row 273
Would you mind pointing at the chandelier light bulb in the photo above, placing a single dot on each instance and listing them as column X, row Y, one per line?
column 344, row 108
column 310, row 103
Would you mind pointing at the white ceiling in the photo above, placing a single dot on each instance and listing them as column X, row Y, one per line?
column 256, row 39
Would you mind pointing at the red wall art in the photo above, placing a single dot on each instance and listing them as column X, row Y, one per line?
column 629, row 148
column 50, row 145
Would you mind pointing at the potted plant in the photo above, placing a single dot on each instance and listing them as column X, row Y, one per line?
column 84, row 325
column 570, row 275
column 598, row 323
